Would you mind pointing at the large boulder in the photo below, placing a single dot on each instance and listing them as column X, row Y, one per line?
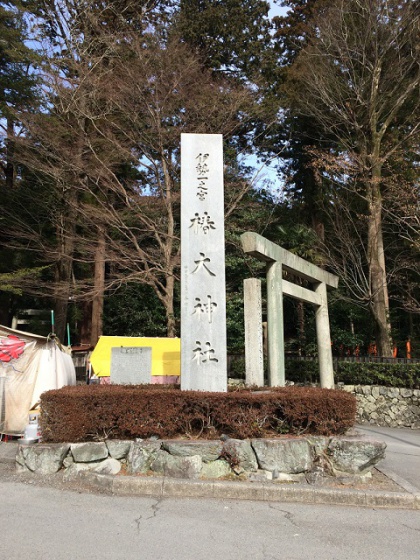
column 89, row 452
column 207, row 450
column 216, row 469
column 290, row 456
column 41, row 458
column 73, row 470
column 319, row 444
column 355, row 456
column 118, row 448
column 109, row 466
column 177, row 466
column 141, row 455
column 240, row 455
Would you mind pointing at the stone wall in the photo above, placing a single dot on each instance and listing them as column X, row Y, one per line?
column 309, row 459
column 386, row 406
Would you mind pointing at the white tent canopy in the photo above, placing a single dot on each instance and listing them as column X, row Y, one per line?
column 29, row 365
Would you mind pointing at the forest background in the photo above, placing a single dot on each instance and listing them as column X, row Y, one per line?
column 94, row 96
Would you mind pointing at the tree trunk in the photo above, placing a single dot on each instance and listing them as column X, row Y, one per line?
column 6, row 313
column 169, row 306
column 63, row 279
column 169, row 246
column 377, row 273
column 99, row 287
column 10, row 149
column 63, row 272
column 85, row 324
column 60, row 319
column 301, row 327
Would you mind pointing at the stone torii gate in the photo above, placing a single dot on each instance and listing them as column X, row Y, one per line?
column 278, row 259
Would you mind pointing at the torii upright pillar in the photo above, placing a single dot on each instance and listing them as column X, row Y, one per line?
column 278, row 259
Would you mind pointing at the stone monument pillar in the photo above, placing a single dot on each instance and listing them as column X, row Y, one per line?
column 203, row 286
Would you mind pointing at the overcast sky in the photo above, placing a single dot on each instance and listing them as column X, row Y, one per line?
column 276, row 10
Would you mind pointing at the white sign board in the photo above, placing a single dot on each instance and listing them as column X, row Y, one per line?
column 131, row 365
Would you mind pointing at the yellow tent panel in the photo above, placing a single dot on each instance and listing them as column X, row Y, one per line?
column 166, row 354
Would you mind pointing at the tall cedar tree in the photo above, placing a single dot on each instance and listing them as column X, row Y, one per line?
column 292, row 33
column 18, row 91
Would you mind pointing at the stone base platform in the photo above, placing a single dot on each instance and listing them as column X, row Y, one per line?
column 309, row 460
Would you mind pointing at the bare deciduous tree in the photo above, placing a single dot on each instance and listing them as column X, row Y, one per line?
column 359, row 79
column 109, row 148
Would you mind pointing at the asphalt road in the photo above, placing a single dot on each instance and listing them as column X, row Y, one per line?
column 402, row 452
column 38, row 523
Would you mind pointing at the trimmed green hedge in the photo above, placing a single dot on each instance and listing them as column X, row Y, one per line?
column 302, row 371
column 357, row 373
column 92, row 412
column 391, row 375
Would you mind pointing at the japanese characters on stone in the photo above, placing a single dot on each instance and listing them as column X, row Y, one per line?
column 203, row 300
column 202, row 224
